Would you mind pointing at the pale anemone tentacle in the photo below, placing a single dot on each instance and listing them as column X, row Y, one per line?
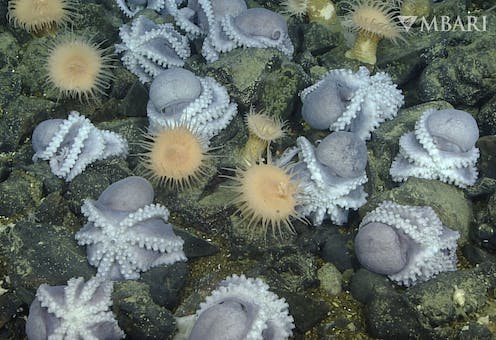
column 408, row 243
column 420, row 155
column 240, row 308
column 124, row 241
column 71, row 145
column 79, row 310
column 150, row 48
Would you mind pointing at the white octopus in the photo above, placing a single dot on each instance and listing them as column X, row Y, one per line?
column 240, row 308
column 150, row 48
column 177, row 96
column 441, row 147
column 321, row 193
column 80, row 310
column 72, row 144
column 346, row 101
column 228, row 24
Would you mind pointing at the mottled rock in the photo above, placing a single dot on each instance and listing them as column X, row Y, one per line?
column 19, row 192
column 42, row 253
column 330, row 279
column 138, row 315
column 366, row 285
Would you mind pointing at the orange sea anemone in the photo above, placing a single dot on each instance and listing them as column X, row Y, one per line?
column 40, row 15
column 78, row 68
column 373, row 20
column 266, row 197
column 175, row 155
column 263, row 129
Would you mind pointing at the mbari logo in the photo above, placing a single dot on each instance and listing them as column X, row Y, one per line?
column 445, row 23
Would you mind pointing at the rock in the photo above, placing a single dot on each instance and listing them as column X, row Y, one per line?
column 366, row 285
column 19, row 118
column 475, row 330
column 280, row 90
column 330, row 279
column 195, row 247
column 391, row 317
column 166, row 283
column 19, row 192
column 305, row 311
column 450, row 295
column 137, row 314
column 487, row 160
column 337, row 250
column 42, row 253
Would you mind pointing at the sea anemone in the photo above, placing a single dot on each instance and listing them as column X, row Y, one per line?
column 320, row 11
column 78, row 67
column 263, row 129
column 373, row 20
column 266, row 196
column 37, row 16
column 175, row 155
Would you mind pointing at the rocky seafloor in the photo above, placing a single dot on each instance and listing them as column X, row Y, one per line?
column 329, row 295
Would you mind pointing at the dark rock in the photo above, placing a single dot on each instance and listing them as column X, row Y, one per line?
column 475, row 255
column 135, row 100
column 391, row 317
column 305, row 311
column 54, row 210
column 475, row 330
column 42, row 253
column 464, row 76
column 450, row 295
column 366, row 285
column 20, row 117
column 9, row 304
column 19, row 192
column 487, row 161
column 319, row 39
column 486, row 118
column 138, row 315
column 337, row 250
column 195, row 247
column 482, row 188
column 166, row 283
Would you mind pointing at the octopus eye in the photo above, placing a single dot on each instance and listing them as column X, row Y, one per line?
column 276, row 35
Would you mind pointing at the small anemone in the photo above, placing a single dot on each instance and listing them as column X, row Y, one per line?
column 373, row 20
column 39, row 16
column 297, row 8
column 78, row 67
column 263, row 129
column 175, row 155
column 266, row 197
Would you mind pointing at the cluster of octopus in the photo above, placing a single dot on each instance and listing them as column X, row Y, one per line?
column 127, row 233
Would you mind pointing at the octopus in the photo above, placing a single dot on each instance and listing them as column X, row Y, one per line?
column 78, row 310
column 228, row 24
column 71, row 144
column 330, row 176
column 347, row 101
column 148, row 48
column 409, row 244
column 131, row 7
column 179, row 97
column 441, row 147
column 126, row 233
column 240, row 308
